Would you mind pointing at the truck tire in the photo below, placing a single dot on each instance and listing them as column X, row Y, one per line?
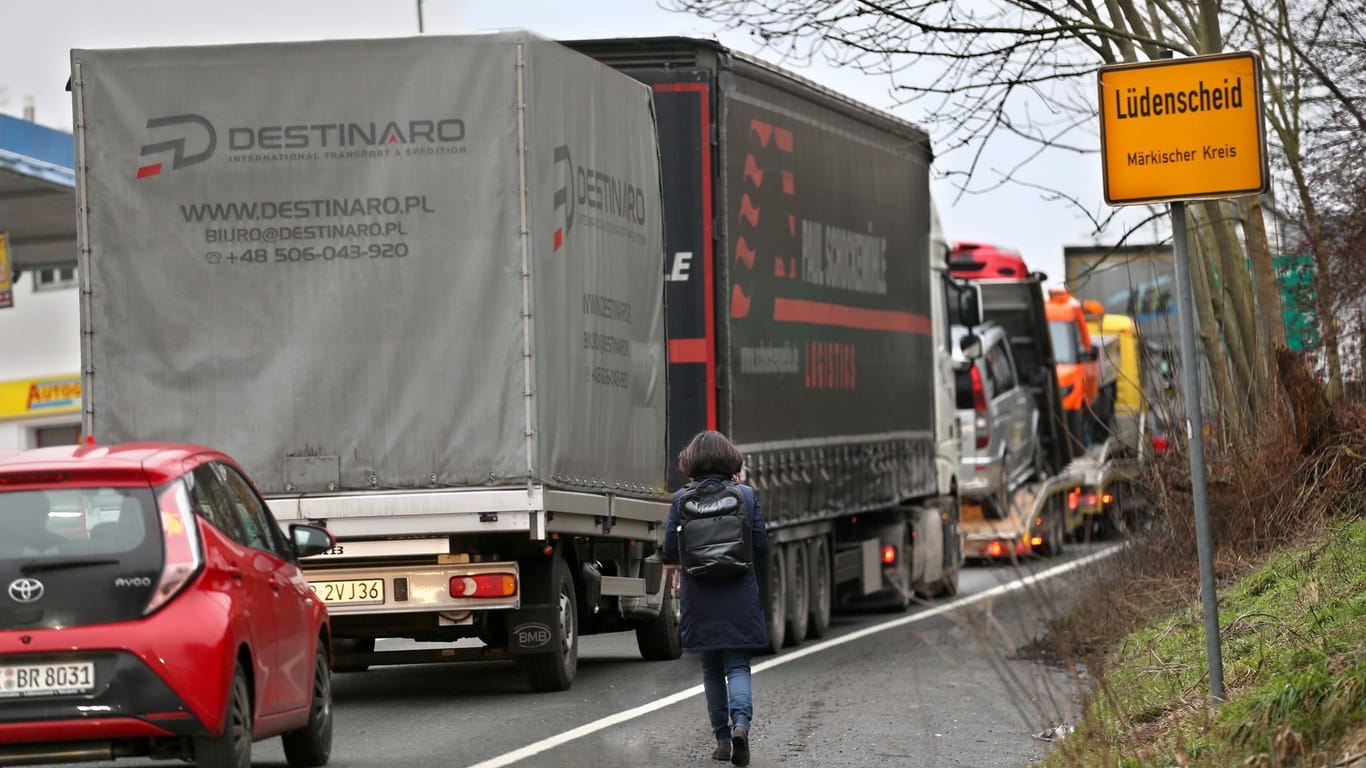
column 775, row 601
column 818, row 565
column 798, row 588
column 1054, row 531
column 555, row 671
column 348, row 645
column 660, row 639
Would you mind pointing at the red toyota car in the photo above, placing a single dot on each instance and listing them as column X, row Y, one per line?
column 151, row 606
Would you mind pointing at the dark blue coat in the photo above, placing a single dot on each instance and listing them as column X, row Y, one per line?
column 721, row 614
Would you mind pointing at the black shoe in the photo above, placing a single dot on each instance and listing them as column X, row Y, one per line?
column 739, row 745
column 722, row 751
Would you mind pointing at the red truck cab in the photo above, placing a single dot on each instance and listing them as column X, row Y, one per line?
column 981, row 261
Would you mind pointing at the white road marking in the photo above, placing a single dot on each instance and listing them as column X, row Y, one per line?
column 551, row 742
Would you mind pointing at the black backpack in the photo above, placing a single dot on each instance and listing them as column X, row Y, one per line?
column 715, row 540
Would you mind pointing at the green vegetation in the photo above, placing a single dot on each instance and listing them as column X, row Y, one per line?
column 1294, row 650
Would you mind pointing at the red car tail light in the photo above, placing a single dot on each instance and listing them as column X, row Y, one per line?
column 180, row 538
column 484, row 585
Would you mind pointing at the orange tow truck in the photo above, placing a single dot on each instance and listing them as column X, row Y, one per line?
column 1077, row 360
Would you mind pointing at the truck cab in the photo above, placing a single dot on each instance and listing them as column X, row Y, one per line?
column 1077, row 362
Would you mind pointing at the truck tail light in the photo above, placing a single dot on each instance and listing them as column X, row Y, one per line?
column 180, row 537
column 484, row 585
column 888, row 555
column 982, row 420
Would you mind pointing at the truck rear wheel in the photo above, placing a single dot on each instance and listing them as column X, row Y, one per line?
column 818, row 565
column 555, row 671
column 798, row 589
column 774, row 597
column 660, row 640
column 1054, row 531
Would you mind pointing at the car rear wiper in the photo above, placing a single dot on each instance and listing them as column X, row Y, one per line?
column 72, row 562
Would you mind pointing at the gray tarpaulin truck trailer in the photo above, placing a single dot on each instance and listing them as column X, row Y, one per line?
column 414, row 287
column 806, row 319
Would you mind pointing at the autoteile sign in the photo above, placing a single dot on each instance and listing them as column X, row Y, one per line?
column 1182, row 129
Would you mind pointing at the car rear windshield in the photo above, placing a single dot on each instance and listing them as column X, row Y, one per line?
column 76, row 522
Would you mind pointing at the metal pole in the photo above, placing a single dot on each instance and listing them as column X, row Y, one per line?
column 419, row 17
column 1195, row 434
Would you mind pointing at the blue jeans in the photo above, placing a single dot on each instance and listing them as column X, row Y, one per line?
column 725, row 679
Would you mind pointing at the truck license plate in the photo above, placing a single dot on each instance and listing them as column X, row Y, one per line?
column 356, row 592
column 47, row 679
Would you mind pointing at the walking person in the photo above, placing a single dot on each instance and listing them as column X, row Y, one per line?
column 722, row 616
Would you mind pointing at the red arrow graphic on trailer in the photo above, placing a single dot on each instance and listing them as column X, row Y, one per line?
column 739, row 302
column 753, row 172
column 748, row 212
column 743, row 253
column 764, row 130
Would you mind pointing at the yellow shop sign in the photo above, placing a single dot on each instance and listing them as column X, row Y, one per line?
column 40, row 397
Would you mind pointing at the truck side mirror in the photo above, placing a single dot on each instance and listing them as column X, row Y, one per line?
column 971, row 346
column 970, row 305
column 1093, row 354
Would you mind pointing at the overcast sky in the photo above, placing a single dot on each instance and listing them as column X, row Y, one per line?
column 39, row 34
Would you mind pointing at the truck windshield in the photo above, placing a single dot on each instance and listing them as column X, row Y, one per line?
column 1066, row 345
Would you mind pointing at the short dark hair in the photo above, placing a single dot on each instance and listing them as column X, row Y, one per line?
column 710, row 453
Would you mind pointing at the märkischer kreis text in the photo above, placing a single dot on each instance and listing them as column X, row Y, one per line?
column 1132, row 104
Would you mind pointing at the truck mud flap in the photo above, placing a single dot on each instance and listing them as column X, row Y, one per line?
column 532, row 630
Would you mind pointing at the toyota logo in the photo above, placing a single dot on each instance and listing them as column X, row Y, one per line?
column 25, row 590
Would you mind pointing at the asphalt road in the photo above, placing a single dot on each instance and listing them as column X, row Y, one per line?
column 937, row 685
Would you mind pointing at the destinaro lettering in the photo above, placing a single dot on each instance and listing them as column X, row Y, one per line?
column 173, row 134
column 322, row 135
column 1132, row 104
column 595, row 189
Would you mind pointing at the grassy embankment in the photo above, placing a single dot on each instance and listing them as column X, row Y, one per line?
column 1294, row 650
column 1290, row 535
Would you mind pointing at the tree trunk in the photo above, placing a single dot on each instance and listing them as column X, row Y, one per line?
column 1238, row 293
column 1263, row 273
column 1316, row 422
column 1230, row 414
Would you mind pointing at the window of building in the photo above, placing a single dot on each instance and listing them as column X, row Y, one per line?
column 54, row 278
column 64, row 434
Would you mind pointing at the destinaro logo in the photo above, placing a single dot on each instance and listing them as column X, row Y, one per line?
column 193, row 139
column 191, row 128
column 594, row 190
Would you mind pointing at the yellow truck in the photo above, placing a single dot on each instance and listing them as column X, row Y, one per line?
column 1121, row 404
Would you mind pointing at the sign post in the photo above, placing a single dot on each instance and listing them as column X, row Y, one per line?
column 1170, row 131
